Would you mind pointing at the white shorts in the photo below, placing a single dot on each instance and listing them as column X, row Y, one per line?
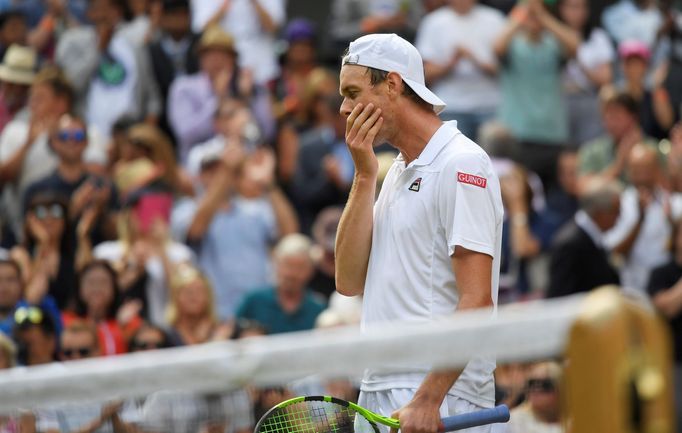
column 387, row 402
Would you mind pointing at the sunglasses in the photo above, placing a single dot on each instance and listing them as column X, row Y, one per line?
column 32, row 315
column 46, row 211
column 80, row 351
column 147, row 345
column 542, row 385
column 77, row 135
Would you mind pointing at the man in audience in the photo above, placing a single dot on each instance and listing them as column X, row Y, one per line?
column 173, row 52
column 541, row 413
column 16, row 75
column 456, row 43
column 194, row 99
column 254, row 25
column 108, row 68
column 605, row 157
column 578, row 259
column 25, row 154
column 231, row 233
column 36, row 336
column 88, row 193
column 647, row 214
column 289, row 305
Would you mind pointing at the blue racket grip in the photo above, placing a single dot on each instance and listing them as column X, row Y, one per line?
column 472, row 419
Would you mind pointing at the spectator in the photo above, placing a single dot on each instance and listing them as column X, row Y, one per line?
column 456, row 43
column 8, row 359
column 324, row 235
column 670, row 38
column 528, row 234
column 191, row 311
column 149, row 337
column 531, row 50
column 643, row 230
column 324, row 168
column 194, row 99
column 542, row 411
column 13, row 29
column 665, row 288
column 232, row 233
column 16, row 75
column 605, row 156
column 144, row 141
column 633, row 19
column 99, row 304
column 56, row 20
column 13, row 296
column 173, row 51
column 25, row 153
column 562, row 201
column 89, row 194
column 656, row 114
column 585, row 74
column 351, row 19
column 109, row 69
column 79, row 341
column 234, row 122
column 254, row 25
column 144, row 253
column 298, row 62
column 36, row 336
column 47, row 254
column 578, row 259
column 288, row 305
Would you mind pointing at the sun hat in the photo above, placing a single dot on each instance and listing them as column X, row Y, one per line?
column 19, row 64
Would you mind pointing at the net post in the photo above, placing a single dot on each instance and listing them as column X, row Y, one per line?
column 619, row 368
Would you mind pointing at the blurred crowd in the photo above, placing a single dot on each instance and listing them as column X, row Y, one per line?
column 172, row 172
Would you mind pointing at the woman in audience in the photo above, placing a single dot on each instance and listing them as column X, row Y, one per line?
column 191, row 313
column 99, row 302
column 584, row 75
column 47, row 254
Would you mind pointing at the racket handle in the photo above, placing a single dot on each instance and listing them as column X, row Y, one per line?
column 472, row 419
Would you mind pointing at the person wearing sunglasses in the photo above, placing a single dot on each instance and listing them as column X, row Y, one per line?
column 541, row 411
column 92, row 197
column 36, row 336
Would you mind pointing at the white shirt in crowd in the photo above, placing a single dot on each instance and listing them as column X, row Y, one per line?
column 40, row 162
column 157, row 286
column 651, row 248
column 596, row 51
column 256, row 47
column 466, row 88
column 448, row 196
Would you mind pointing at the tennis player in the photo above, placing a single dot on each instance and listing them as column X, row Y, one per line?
column 430, row 245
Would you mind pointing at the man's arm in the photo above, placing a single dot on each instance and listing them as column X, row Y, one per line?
column 354, row 235
column 473, row 271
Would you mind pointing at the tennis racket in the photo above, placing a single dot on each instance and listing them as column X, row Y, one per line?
column 324, row 414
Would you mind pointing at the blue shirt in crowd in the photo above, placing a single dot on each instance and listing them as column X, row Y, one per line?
column 262, row 306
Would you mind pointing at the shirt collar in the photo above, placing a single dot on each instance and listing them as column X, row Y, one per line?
column 590, row 227
column 437, row 142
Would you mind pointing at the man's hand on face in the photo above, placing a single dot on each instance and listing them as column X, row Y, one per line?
column 362, row 126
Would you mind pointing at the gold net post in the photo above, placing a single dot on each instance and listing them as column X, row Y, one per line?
column 619, row 369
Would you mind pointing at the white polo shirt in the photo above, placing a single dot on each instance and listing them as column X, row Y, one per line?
column 448, row 196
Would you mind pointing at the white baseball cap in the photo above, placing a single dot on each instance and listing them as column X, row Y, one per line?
column 391, row 53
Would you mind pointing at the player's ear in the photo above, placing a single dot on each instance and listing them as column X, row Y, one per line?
column 395, row 84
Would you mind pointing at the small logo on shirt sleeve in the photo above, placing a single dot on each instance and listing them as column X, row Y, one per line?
column 415, row 185
column 471, row 179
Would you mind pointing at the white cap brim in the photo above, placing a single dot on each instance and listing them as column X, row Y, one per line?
column 426, row 95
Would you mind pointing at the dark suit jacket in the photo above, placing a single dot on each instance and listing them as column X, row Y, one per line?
column 577, row 264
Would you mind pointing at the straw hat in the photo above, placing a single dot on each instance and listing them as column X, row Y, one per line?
column 19, row 65
column 215, row 37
